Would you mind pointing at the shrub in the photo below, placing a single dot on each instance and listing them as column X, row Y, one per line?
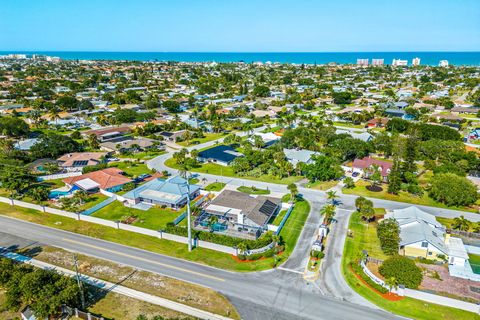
column 453, row 190
column 263, row 241
column 403, row 270
column 388, row 233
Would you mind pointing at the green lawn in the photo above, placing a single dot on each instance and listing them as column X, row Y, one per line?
column 294, row 225
column 322, row 185
column 93, row 200
column 155, row 218
column 132, row 169
column 215, row 186
column 448, row 223
column 361, row 190
column 208, row 137
column 364, row 239
column 253, row 190
column 279, row 217
column 349, row 125
column 290, row 234
column 219, row 170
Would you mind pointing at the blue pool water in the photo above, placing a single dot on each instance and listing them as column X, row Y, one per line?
column 55, row 194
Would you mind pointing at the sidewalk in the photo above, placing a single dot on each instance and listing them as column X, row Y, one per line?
column 108, row 286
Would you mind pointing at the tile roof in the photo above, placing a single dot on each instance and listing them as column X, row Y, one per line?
column 366, row 162
column 81, row 159
column 106, row 178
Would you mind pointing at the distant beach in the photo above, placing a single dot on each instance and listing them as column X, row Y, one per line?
column 427, row 58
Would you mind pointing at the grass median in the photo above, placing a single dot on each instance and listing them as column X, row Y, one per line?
column 363, row 238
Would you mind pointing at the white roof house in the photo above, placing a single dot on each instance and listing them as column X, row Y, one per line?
column 294, row 156
column 420, row 231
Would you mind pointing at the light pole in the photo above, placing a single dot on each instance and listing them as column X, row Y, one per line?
column 189, row 226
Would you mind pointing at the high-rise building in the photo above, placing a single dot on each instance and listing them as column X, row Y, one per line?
column 362, row 62
column 399, row 62
column 415, row 61
column 377, row 62
column 443, row 63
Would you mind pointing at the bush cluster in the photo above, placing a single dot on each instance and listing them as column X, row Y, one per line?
column 220, row 239
column 403, row 270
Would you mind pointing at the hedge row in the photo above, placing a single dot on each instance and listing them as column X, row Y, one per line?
column 220, row 239
column 267, row 254
column 358, row 270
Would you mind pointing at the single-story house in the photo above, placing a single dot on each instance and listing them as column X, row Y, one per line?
column 422, row 236
column 367, row 164
column 364, row 136
column 171, row 193
column 240, row 212
column 377, row 122
column 107, row 134
column 173, row 136
column 109, row 179
column 77, row 160
column 295, row 156
column 268, row 138
column 25, row 145
column 221, row 154
column 137, row 144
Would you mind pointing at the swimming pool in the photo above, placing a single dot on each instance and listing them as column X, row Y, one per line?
column 55, row 194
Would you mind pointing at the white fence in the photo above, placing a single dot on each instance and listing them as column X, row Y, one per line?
column 425, row 296
column 113, row 224
column 60, row 175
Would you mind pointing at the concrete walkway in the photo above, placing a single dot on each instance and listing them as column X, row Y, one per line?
column 108, row 286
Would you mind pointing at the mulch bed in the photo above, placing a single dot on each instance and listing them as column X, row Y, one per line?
column 389, row 295
column 374, row 188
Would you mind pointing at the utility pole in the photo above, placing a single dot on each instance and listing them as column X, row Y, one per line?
column 189, row 227
column 79, row 282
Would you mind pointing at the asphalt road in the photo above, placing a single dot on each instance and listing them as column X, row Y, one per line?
column 274, row 294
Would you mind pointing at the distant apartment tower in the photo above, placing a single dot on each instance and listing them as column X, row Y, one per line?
column 415, row 61
column 377, row 62
column 443, row 63
column 399, row 62
column 362, row 62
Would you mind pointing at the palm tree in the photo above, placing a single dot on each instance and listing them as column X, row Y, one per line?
column 292, row 187
column 242, row 247
column 328, row 212
column 460, row 223
column 391, row 283
column 211, row 221
column 332, row 195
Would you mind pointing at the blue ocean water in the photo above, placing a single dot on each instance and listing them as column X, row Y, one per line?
column 427, row 58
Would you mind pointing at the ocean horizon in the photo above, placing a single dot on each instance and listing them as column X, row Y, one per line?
column 469, row 58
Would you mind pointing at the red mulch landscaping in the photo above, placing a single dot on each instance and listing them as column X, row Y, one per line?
column 389, row 295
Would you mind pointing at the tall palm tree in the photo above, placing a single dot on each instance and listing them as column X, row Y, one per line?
column 328, row 212
column 460, row 223
column 332, row 195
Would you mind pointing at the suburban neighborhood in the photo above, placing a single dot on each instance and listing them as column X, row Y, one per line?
column 136, row 187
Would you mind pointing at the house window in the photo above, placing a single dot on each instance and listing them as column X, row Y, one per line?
column 424, row 244
column 429, row 253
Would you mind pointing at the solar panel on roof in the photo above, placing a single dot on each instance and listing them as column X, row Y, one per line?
column 268, row 208
column 79, row 163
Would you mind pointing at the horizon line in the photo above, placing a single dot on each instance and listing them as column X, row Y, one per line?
column 100, row 51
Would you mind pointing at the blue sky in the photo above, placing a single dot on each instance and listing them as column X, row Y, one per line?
column 242, row 25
